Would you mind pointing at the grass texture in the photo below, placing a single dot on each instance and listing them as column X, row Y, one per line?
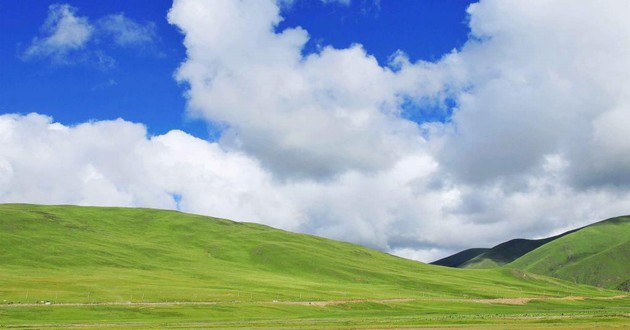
column 97, row 267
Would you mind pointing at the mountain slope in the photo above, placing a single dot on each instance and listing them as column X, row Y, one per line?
column 496, row 256
column 459, row 258
column 507, row 252
column 598, row 254
column 94, row 254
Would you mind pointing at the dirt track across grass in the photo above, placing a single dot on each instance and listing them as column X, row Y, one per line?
column 506, row 301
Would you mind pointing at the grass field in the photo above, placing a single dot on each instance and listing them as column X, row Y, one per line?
column 416, row 313
column 117, row 267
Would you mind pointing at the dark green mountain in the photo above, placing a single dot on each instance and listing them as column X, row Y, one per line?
column 598, row 254
column 459, row 258
column 496, row 256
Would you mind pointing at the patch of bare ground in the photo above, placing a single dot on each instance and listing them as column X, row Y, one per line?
column 525, row 300
column 341, row 302
column 611, row 298
column 506, row 301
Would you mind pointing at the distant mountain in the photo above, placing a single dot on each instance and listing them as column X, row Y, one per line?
column 460, row 258
column 496, row 256
column 598, row 254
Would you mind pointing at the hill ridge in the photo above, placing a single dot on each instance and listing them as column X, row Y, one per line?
column 500, row 254
column 571, row 255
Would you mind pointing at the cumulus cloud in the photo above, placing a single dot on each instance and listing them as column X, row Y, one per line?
column 115, row 163
column 535, row 92
column 68, row 38
column 312, row 116
column 537, row 142
column 541, row 76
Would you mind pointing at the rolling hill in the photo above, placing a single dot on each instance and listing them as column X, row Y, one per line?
column 598, row 254
column 86, row 267
column 496, row 256
column 74, row 253
column 459, row 259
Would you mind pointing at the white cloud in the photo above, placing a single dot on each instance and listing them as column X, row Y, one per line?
column 63, row 31
column 69, row 39
column 539, row 75
column 115, row 163
column 535, row 87
column 315, row 117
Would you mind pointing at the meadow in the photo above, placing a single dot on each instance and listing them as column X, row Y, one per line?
column 90, row 267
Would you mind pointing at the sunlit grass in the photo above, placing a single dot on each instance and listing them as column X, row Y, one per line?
column 249, row 272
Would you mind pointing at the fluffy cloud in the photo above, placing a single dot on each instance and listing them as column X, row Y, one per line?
column 543, row 79
column 303, row 117
column 66, row 37
column 115, row 163
column 539, row 120
column 319, row 143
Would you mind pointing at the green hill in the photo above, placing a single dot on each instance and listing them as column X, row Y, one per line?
column 598, row 254
column 71, row 253
column 145, row 268
column 496, row 256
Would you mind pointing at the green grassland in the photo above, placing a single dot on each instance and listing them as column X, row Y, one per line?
column 598, row 255
column 123, row 267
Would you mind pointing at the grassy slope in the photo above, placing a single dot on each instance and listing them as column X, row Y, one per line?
column 507, row 252
column 110, row 254
column 91, row 255
column 598, row 254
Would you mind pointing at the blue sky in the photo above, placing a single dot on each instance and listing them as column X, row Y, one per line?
column 495, row 117
column 140, row 87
